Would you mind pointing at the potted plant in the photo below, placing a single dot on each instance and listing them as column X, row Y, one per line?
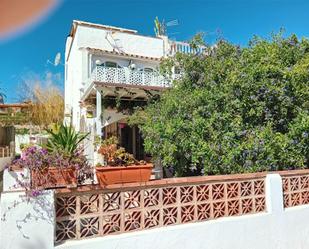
column 120, row 166
column 60, row 164
column 48, row 170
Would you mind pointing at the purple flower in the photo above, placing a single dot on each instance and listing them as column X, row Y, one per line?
column 36, row 193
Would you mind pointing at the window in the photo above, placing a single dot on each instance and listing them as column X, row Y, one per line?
column 148, row 70
column 110, row 64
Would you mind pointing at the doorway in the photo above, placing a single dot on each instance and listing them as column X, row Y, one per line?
column 132, row 141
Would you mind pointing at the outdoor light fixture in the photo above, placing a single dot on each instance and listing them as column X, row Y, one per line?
column 98, row 62
column 132, row 65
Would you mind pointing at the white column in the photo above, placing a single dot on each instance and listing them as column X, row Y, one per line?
column 89, row 65
column 274, row 194
column 99, row 113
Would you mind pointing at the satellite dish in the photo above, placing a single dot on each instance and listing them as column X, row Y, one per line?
column 57, row 59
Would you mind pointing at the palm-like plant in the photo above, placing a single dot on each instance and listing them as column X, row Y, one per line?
column 160, row 27
column 66, row 140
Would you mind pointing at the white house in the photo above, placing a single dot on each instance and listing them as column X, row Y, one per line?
column 105, row 64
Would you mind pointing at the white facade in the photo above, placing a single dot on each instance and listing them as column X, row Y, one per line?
column 101, row 59
column 89, row 43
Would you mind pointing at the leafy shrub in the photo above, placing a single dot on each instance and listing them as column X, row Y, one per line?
column 22, row 131
column 234, row 110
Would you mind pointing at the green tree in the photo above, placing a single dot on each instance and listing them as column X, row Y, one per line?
column 234, row 110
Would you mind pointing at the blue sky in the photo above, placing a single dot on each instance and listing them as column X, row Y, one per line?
column 25, row 57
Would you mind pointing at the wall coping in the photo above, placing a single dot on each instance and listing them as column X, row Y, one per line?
column 291, row 172
column 182, row 180
column 168, row 182
column 185, row 181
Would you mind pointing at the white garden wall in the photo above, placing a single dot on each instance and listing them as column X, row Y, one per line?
column 277, row 228
column 288, row 230
column 27, row 223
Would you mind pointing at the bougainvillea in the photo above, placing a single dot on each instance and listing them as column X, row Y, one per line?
column 234, row 110
column 35, row 158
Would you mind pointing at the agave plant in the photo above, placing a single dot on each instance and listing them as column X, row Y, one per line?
column 65, row 139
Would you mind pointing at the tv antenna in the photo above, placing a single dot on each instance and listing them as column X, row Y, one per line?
column 162, row 26
column 114, row 42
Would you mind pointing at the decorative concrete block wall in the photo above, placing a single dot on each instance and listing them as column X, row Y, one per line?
column 101, row 212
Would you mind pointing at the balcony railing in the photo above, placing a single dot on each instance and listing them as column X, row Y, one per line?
column 130, row 77
column 182, row 47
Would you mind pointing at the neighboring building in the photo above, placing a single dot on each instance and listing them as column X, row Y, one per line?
column 11, row 114
column 7, row 145
column 104, row 64
column 13, row 109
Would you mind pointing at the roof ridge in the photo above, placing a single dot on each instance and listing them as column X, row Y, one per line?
column 109, row 27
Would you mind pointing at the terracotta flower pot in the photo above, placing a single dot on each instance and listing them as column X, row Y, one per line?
column 54, row 177
column 124, row 174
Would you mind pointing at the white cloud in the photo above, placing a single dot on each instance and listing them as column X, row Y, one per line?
column 45, row 80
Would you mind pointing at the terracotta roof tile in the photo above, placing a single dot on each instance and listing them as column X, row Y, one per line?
column 123, row 54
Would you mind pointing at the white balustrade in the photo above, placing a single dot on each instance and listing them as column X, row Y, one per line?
column 182, row 47
column 129, row 77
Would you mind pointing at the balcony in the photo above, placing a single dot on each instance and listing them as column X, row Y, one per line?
column 127, row 76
